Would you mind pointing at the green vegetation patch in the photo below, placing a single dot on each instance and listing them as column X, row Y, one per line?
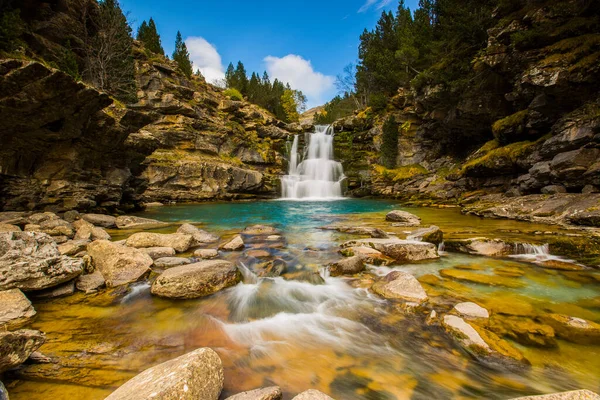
column 499, row 160
column 401, row 173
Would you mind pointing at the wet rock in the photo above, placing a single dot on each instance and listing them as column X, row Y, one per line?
column 105, row 221
column 572, row 395
column 591, row 218
column 131, row 222
column 482, row 344
column 269, row 393
column 90, row 283
column 312, row 394
column 271, row 269
column 87, row 231
column 401, row 285
column 524, row 331
column 3, row 392
column 235, row 244
column 159, row 252
column 196, row 280
column 72, row 247
column 403, row 218
column 15, row 310
column 119, row 265
column 257, row 253
column 471, row 310
column 368, row 254
column 348, row 266
column 480, row 246
column 206, row 253
column 399, row 250
column 199, row 236
column 433, row 234
column 260, row 230
column 195, row 375
column 576, row 330
column 170, row 262
column 358, row 230
column 17, row 346
column 9, row 228
column 32, row 261
column 65, row 289
column 177, row 241
column 474, row 277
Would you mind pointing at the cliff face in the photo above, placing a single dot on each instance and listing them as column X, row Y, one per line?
column 534, row 98
column 65, row 145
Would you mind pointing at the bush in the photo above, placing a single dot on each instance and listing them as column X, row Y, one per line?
column 378, row 102
column 233, row 94
column 389, row 143
column 11, row 27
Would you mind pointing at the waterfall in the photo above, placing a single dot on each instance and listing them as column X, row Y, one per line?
column 532, row 249
column 318, row 175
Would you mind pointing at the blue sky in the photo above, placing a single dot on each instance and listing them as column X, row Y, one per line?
column 306, row 43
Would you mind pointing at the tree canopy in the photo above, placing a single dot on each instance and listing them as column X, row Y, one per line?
column 182, row 56
column 148, row 35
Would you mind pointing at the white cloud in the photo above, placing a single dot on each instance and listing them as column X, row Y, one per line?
column 299, row 73
column 379, row 4
column 206, row 58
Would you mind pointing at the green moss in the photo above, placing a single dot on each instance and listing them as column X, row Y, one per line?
column 400, row 173
column 511, row 121
column 500, row 158
column 233, row 94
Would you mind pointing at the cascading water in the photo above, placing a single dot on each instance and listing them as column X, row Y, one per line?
column 318, row 176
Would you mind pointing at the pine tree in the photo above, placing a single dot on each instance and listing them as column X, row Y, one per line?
column 148, row 35
column 241, row 78
column 389, row 144
column 230, row 76
column 182, row 57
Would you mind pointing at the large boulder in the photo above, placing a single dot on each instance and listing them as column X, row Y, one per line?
column 177, row 241
column 196, row 280
column 480, row 246
column 368, row 254
column 17, row 346
column 401, row 285
column 15, row 310
column 348, row 266
column 119, row 265
column 32, row 261
column 193, row 376
column 105, row 221
column 312, row 394
column 403, row 218
column 399, row 250
column 199, row 236
column 131, row 222
column 269, row 393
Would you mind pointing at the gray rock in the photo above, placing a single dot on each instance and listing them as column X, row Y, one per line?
column 433, row 234
column 587, row 189
column 312, row 394
column 480, row 246
column 471, row 310
column 348, row 266
column 105, row 221
column 32, row 261
column 17, row 346
column 401, row 285
column 119, row 265
column 403, row 218
column 193, row 376
column 206, row 253
column 572, row 395
column 90, row 283
column 359, row 230
column 399, row 250
column 71, row 216
column 130, row 222
column 196, row 280
column 159, row 252
column 199, row 236
column 177, row 241
column 65, row 289
column 170, row 262
column 269, row 393
column 15, row 310
column 235, row 244
column 553, row 189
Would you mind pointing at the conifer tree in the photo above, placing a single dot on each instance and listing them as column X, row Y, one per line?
column 389, row 144
column 148, row 35
column 182, row 56
column 230, row 76
column 241, row 78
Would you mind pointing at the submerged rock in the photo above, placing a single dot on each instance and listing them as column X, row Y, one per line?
column 32, row 261
column 177, row 241
column 17, row 346
column 206, row 253
column 15, row 310
column 358, row 230
column 474, row 277
column 349, row 266
column 105, row 221
column 196, row 280
column 572, row 395
column 433, row 234
column 403, row 218
column 524, row 331
column 401, row 285
column 199, row 236
column 260, row 230
column 90, row 283
column 471, row 310
column 130, row 222
column 193, row 376
column 269, row 393
column 368, row 254
column 399, row 250
column 119, row 265
column 481, row 247
column 576, row 330
column 312, row 394
column 235, row 244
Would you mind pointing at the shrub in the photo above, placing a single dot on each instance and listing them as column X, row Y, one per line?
column 378, row 102
column 389, row 143
column 233, row 94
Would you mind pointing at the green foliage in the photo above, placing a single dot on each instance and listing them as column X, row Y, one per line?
column 378, row 101
column 233, row 94
column 182, row 56
column 338, row 107
column 148, row 35
column 290, row 107
column 11, row 27
column 68, row 62
column 389, row 143
column 503, row 128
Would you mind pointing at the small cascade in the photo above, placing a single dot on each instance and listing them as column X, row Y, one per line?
column 249, row 276
column 532, row 249
column 537, row 254
column 135, row 291
column 318, row 175
column 441, row 247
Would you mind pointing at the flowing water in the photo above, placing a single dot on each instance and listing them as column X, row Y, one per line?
column 318, row 175
column 308, row 330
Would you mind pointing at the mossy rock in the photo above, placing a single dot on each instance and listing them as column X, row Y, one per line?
column 576, row 330
column 583, row 249
column 500, row 161
column 523, row 330
column 512, row 128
